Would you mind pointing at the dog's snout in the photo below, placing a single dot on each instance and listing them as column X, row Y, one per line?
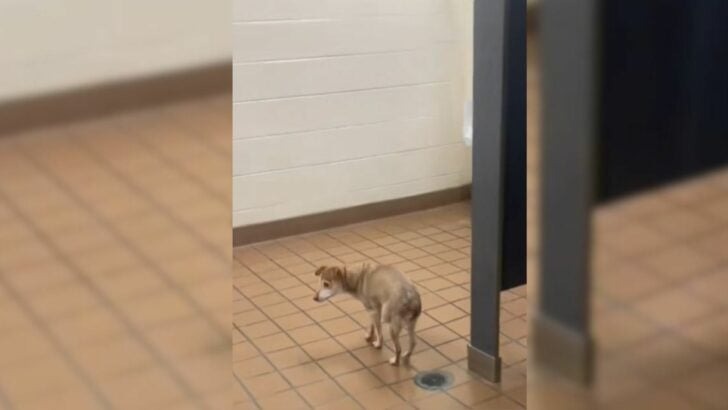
column 315, row 297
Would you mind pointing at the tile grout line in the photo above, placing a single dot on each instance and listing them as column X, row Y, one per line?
column 420, row 340
column 96, row 157
column 59, row 347
column 69, row 350
column 502, row 393
column 105, row 302
column 269, row 319
column 438, row 43
column 434, row 273
column 671, row 241
column 669, row 284
column 265, row 355
column 38, row 321
column 334, row 164
column 139, row 139
column 662, row 328
column 420, row 267
column 331, row 336
column 314, row 244
column 111, row 272
column 314, row 95
column 652, row 383
column 120, row 239
column 346, row 313
column 260, row 354
column 250, row 395
column 417, row 231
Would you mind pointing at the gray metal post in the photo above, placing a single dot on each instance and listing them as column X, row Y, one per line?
column 487, row 196
column 561, row 336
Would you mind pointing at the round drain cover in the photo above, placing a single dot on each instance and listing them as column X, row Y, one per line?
column 434, row 380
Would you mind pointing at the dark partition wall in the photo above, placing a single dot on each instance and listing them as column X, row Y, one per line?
column 514, row 168
column 665, row 92
column 560, row 334
column 487, row 188
column 499, row 181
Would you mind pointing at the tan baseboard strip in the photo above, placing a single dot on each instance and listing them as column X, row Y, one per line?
column 104, row 99
column 245, row 235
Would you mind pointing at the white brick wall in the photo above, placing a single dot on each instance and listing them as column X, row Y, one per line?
column 340, row 103
column 53, row 45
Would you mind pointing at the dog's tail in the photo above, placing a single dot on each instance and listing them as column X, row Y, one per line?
column 418, row 310
column 412, row 322
column 415, row 307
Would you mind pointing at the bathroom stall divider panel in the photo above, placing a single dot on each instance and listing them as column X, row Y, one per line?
column 664, row 112
column 561, row 336
column 498, row 189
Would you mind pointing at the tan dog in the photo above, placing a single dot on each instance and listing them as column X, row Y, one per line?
column 386, row 293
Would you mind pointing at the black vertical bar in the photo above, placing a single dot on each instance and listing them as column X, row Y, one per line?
column 487, row 186
column 514, row 168
column 569, row 34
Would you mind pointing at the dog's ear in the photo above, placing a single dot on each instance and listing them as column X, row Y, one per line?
column 319, row 270
column 341, row 273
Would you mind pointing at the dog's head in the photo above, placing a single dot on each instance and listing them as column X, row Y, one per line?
column 331, row 280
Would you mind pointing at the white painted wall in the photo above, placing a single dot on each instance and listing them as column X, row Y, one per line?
column 340, row 103
column 53, row 45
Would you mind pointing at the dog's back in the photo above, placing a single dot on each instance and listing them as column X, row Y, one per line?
column 387, row 285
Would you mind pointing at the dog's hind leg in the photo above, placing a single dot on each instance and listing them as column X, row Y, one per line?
column 377, row 325
column 370, row 333
column 394, row 328
column 410, row 324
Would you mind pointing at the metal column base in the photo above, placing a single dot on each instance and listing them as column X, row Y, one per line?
column 561, row 350
column 484, row 364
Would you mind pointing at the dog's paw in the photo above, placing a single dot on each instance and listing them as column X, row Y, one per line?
column 394, row 361
column 377, row 344
column 406, row 356
column 369, row 338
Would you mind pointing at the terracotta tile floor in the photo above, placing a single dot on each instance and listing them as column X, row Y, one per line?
column 292, row 352
column 114, row 255
column 660, row 293
column 667, row 329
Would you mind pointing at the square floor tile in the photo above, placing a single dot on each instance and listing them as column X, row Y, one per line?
column 359, row 380
column 266, row 385
column 293, row 321
column 304, row 374
column 323, row 348
column 273, row 342
column 290, row 357
column 446, row 313
column 306, row 334
column 340, row 364
column 321, row 392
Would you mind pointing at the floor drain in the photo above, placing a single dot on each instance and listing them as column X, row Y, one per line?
column 435, row 380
